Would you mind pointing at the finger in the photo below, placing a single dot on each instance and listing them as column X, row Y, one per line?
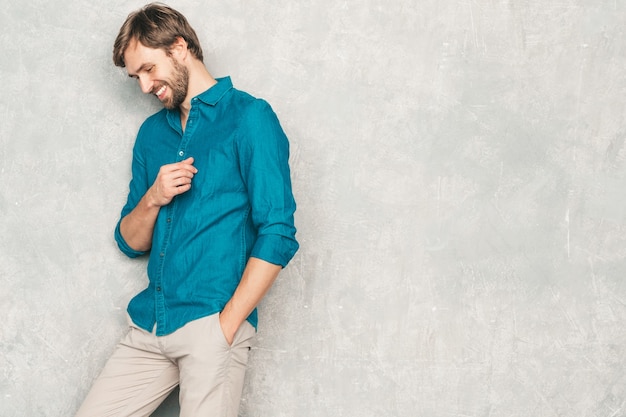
column 174, row 179
column 184, row 165
column 183, row 188
column 180, row 174
column 186, row 161
column 184, row 170
column 177, row 182
column 188, row 164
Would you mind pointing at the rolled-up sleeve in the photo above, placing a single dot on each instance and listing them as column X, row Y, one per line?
column 264, row 163
column 137, row 188
column 121, row 243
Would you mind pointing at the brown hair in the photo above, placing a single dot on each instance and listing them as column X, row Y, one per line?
column 155, row 26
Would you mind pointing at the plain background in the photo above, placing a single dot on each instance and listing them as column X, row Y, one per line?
column 460, row 173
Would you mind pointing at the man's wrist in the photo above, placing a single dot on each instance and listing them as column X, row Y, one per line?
column 150, row 199
column 228, row 325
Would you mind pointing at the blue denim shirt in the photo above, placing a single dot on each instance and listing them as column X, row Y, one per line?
column 240, row 205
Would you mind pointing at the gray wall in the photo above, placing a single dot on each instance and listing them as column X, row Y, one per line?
column 460, row 170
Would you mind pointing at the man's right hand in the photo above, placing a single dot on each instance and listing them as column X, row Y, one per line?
column 172, row 180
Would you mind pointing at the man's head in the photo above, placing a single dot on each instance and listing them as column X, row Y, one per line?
column 155, row 26
column 154, row 45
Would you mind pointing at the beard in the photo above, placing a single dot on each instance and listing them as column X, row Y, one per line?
column 179, row 86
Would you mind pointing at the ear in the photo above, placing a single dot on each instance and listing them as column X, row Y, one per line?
column 179, row 49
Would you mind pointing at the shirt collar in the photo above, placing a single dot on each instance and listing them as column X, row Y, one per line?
column 214, row 94
column 211, row 97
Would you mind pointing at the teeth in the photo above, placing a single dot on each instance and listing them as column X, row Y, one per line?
column 160, row 91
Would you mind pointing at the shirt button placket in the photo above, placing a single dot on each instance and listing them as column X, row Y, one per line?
column 160, row 296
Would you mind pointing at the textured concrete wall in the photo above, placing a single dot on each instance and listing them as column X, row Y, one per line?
column 460, row 169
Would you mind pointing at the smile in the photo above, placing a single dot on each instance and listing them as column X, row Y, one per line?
column 160, row 91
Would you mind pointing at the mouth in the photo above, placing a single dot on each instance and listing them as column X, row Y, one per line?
column 160, row 93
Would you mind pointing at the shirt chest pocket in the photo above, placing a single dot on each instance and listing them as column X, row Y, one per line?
column 218, row 174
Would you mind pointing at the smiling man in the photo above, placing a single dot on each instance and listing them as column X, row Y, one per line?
column 210, row 204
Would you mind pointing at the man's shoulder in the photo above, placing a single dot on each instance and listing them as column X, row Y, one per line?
column 248, row 104
column 152, row 127
column 242, row 97
column 158, row 117
column 155, row 121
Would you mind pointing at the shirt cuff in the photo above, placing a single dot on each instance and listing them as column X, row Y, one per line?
column 121, row 243
column 275, row 249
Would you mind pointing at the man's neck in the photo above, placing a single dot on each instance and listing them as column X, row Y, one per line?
column 199, row 81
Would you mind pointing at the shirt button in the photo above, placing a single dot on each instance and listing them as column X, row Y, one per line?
column 162, row 254
column 169, row 220
column 181, row 153
column 158, row 289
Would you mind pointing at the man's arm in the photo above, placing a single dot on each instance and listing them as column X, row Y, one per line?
column 138, row 225
column 263, row 151
column 256, row 281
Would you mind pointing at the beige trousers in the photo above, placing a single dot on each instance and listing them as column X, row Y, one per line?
column 145, row 368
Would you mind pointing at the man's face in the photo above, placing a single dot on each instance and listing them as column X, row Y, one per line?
column 157, row 73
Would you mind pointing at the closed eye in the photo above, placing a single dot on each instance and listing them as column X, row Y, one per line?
column 144, row 68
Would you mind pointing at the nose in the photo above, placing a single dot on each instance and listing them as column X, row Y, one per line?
column 145, row 83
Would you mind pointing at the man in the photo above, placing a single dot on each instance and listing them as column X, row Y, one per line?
column 210, row 201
